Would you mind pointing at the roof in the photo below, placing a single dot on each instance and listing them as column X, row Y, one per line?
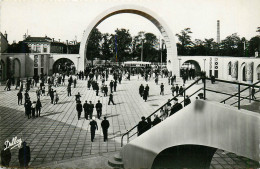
column 38, row 39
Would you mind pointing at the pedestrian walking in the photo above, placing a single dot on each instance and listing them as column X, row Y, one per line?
column 253, row 93
column 90, row 109
column 99, row 109
column 5, row 156
column 105, row 125
column 79, row 108
column 20, row 97
column 141, row 90
column 97, row 89
column 147, row 88
column 33, row 109
column 181, row 91
column 105, row 90
column 111, row 99
column 38, row 108
column 75, row 82
column 111, row 84
column 93, row 128
column 24, row 155
column 177, row 89
column 69, row 90
column 115, row 85
column 77, row 97
column 52, row 95
column 145, row 95
column 162, row 89
column 27, row 106
column 56, row 97
column 85, row 107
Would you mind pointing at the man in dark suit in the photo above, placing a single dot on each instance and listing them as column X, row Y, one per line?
column 176, row 107
column 141, row 127
column 111, row 99
column 79, row 109
column 85, row 107
column 111, row 84
column 5, row 157
column 24, row 155
column 90, row 109
column 105, row 125
column 99, row 109
column 20, row 97
column 93, row 128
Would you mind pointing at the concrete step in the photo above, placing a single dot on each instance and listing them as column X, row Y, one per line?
column 116, row 161
column 118, row 157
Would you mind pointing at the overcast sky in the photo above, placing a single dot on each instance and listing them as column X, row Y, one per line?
column 67, row 19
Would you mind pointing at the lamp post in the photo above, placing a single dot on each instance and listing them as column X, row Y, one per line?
column 78, row 64
column 179, row 65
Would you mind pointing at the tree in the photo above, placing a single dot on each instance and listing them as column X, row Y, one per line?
column 231, row 46
column 93, row 46
column 122, row 39
column 254, row 45
column 149, row 47
column 184, row 41
column 19, row 47
column 105, row 47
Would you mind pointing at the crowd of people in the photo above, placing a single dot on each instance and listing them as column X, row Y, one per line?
column 98, row 81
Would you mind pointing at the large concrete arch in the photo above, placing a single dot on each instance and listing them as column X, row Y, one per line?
column 166, row 31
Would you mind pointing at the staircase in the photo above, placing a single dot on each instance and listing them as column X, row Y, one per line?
column 117, row 162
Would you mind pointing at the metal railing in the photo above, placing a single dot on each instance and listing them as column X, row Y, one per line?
column 184, row 94
column 204, row 80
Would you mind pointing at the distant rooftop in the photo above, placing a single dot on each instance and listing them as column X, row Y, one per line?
column 38, row 39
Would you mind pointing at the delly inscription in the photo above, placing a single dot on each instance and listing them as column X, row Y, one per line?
column 15, row 143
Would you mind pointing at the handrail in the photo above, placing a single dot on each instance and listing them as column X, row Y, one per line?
column 157, row 110
column 247, row 97
column 223, row 101
column 203, row 88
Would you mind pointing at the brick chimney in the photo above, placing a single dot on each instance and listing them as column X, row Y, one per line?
column 5, row 35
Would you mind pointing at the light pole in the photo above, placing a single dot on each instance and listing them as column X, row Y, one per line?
column 78, row 64
column 179, row 65
column 142, row 50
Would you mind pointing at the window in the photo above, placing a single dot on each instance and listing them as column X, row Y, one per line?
column 38, row 48
column 45, row 48
column 216, row 73
column 36, row 71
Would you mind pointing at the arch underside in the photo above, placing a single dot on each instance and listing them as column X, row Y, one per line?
column 61, row 62
column 144, row 12
column 195, row 63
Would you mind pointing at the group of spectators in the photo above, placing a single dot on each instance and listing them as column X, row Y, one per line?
column 165, row 111
column 144, row 91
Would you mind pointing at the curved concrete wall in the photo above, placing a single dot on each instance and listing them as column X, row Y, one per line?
column 166, row 31
column 201, row 123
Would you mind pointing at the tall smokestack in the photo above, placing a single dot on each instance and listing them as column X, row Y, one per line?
column 218, row 31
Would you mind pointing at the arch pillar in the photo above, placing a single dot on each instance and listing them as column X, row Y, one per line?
column 249, row 72
column 234, row 70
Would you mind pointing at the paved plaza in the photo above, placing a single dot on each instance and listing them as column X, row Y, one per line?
column 58, row 139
